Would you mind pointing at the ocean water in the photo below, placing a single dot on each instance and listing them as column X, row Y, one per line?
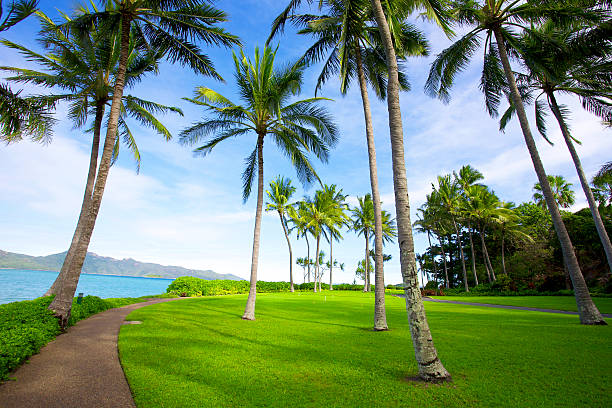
column 22, row 284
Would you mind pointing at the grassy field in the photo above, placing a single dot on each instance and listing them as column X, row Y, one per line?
column 318, row 350
column 543, row 302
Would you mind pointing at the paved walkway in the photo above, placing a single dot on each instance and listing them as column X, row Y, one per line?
column 533, row 309
column 78, row 369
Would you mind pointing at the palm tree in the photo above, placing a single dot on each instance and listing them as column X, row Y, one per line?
column 84, row 69
column 429, row 366
column 467, row 177
column 296, row 128
column 338, row 221
column 424, row 225
column 299, row 223
column 602, row 183
column 561, row 190
column 29, row 116
column 279, row 194
column 167, row 28
column 497, row 18
column 350, row 45
column 363, row 224
column 449, row 196
column 509, row 225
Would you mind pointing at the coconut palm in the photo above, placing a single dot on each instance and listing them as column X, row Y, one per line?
column 429, row 365
column 424, row 225
column 297, row 129
column 509, row 225
column 300, row 225
column 602, row 183
column 167, row 28
column 84, row 68
column 363, row 224
column 466, row 177
column 561, row 190
column 339, row 220
column 347, row 40
column 498, row 19
column 29, row 116
column 569, row 60
column 279, row 194
column 448, row 195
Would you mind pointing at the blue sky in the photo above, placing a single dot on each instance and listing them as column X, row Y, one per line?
column 187, row 211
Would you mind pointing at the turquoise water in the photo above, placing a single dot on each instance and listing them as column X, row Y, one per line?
column 21, row 284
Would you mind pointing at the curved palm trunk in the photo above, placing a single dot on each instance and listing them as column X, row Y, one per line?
column 249, row 309
column 86, row 205
column 451, row 260
column 485, row 254
column 430, row 366
column 282, row 220
column 446, row 284
column 601, row 230
column 331, row 260
column 308, row 249
column 589, row 314
column 316, row 275
column 465, row 282
column 380, row 315
column 62, row 303
column 473, row 257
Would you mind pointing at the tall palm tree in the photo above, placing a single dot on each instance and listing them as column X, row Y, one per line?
column 425, row 225
column 509, row 226
column 363, row 224
column 279, row 194
column 448, row 195
column 339, row 220
column 84, row 68
column 300, row 224
column 349, row 42
column 164, row 27
column 297, row 129
column 561, row 190
column 19, row 116
column 602, row 183
column 429, row 365
column 497, row 19
column 569, row 60
column 467, row 177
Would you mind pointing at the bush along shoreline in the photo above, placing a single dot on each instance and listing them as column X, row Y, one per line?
column 27, row 326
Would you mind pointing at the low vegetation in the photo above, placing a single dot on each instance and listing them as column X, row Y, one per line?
column 25, row 327
column 308, row 349
column 543, row 302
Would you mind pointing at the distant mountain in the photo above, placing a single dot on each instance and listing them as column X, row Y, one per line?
column 106, row 266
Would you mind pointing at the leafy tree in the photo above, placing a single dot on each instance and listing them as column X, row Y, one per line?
column 561, row 189
column 297, row 129
column 83, row 68
column 161, row 26
column 29, row 116
column 498, row 19
column 279, row 194
column 339, row 220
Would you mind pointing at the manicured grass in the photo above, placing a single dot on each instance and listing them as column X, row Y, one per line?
column 544, row 302
column 318, row 350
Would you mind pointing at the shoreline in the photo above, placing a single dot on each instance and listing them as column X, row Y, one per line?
column 86, row 273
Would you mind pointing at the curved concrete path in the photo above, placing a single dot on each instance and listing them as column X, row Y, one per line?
column 533, row 309
column 80, row 368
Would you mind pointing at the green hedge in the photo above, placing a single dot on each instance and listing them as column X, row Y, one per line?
column 190, row 286
column 25, row 327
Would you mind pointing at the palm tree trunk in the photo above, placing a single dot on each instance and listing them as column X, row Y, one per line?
column 249, row 310
column 451, row 261
column 473, row 257
column 331, row 259
column 366, row 266
column 62, row 303
column 316, row 277
column 430, row 366
column 465, row 282
column 86, row 205
column 601, row 230
column 589, row 314
column 308, row 249
column 484, row 256
column 433, row 259
column 380, row 315
column 282, row 220
column 485, row 253
column 446, row 284
column 503, row 256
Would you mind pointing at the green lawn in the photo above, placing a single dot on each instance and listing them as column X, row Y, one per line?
column 544, row 302
column 317, row 350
